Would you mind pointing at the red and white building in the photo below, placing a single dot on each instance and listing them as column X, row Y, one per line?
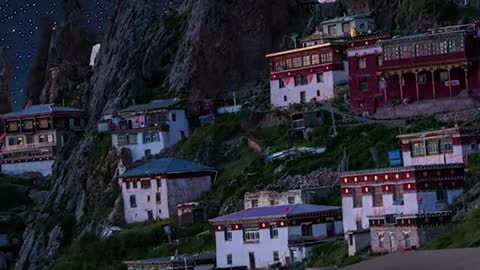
column 257, row 238
column 307, row 74
column 388, row 196
column 444, row 146
column 439, row 63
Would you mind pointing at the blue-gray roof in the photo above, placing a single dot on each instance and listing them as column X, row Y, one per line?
column 347, row 18
column 277, row 211
column 158, row 104
column 165, row 166
column 42, row 109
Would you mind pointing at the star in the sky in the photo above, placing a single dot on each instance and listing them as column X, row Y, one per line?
column 20, row 28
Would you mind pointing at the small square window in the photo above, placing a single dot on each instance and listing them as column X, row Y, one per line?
column 444, row 76
column 422, row 79
column 380, row 60
column 291, row 200
column 319, row 77
column 362, row 63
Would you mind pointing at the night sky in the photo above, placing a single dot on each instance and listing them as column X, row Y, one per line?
column 19, row 30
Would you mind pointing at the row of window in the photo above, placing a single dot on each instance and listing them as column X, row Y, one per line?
column 43, row 138
column 28, row 125
column 362, row 62
column 406, row 240
column 254, row 202
column 377, row 196
column 252, row 234
column 424, row 49
column 421, row 79
column 301, row 80
column 431, row 147
column 143, row 184
column 276, row 257
column 303, row 61
column 303, row 97
column 133, row 199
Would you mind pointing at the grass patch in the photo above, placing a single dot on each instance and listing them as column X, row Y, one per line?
column 463, row 235
column 331, row 254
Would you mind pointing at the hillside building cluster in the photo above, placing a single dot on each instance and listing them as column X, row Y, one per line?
column 381, row 71
column 387, row 210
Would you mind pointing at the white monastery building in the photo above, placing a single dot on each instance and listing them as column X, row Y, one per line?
column 153, row 190
column 275, row 235
column 149, row 128
column 35, row 135
column 400, row 206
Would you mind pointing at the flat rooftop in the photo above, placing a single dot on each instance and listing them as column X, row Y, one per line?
column 448, row 259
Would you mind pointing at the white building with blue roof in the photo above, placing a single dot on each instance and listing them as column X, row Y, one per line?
column 153, row 190
column 275, row 235
column 34, row 135
column 147, row 129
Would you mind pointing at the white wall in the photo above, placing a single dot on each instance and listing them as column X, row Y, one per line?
column 327, row 88
column 138, row 149
column 351, row 215
column 172, row 192
column 454, row 157
column 240, row 251
column 42, row 167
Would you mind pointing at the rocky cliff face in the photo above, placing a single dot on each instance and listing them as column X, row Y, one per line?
column 5, row 105
column 192, row 49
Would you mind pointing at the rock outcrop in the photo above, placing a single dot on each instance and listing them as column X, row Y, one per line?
column 5, row 105
column 186, row 48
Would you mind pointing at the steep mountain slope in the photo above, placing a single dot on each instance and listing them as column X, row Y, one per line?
column 193, row 49
column 4, row 83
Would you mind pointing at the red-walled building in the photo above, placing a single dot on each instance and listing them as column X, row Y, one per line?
column 367, row 88
column 440, row 63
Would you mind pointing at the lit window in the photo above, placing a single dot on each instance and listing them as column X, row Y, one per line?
column 288, row 63
column 315, row 59
column 326, row 57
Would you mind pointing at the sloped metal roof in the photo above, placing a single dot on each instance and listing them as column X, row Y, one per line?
column 158, row 104
column 165, row 166
column 277, row 211
column 42, row 109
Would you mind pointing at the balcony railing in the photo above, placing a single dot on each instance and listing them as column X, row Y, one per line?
column 28, row 154
column 23, row 147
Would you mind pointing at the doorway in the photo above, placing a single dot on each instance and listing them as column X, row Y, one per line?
column 251, row 256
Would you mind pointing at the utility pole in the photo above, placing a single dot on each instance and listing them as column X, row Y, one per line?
column 333, row 121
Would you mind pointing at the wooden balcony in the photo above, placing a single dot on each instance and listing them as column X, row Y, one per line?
column 26, row 147
column 28, row 154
